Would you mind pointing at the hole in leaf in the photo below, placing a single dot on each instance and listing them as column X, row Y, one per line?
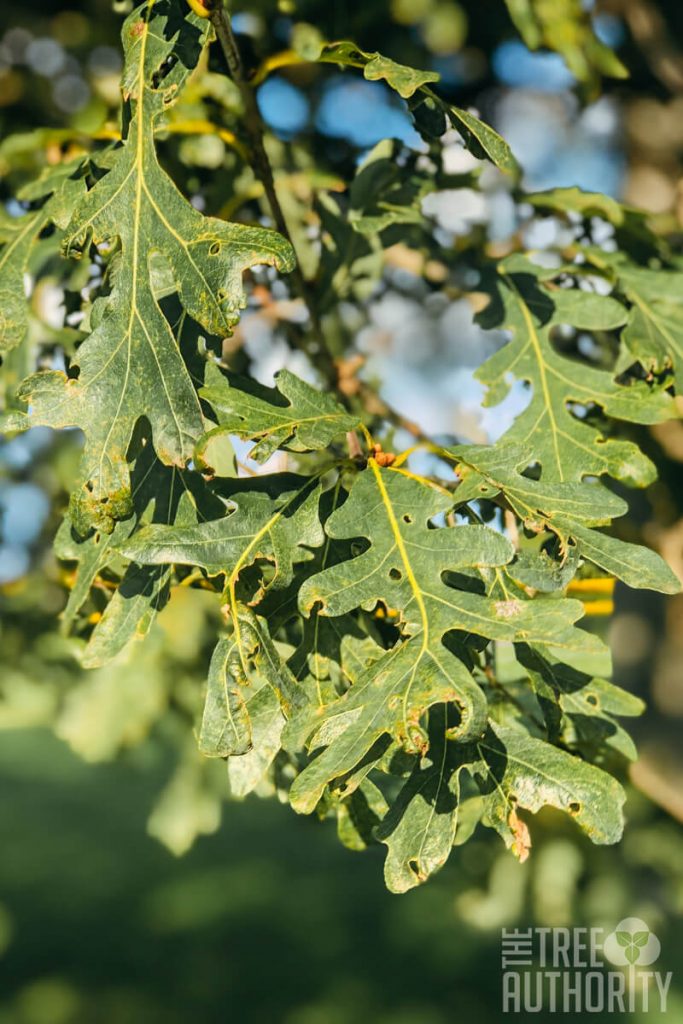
column 164, row 70
column 407, row 518
column 574, row 807
column 592, row 699
column 214, row 249
column 395, row 574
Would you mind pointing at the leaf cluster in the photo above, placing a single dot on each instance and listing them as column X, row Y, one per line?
column 398, row 650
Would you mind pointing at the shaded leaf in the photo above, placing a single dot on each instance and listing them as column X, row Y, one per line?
column 225, row 725
column 420, row 828
column 359, row 815
column 160, row 494
column 562, row 438
column 278, row 527
column 241, row 666
column 518, row 770
column 568, row 509
column 481, row 140
column 654, row 332
column 295, row 415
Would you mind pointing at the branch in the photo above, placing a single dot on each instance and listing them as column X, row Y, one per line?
column 220, row 19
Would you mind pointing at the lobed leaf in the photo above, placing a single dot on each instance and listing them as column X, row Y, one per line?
column 131, row 366
column 569, row 510
column 405, row 567
column 295, row 415
column 563, row 438
column 519, row 770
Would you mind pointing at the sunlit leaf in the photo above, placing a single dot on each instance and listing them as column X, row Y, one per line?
column 130, row 366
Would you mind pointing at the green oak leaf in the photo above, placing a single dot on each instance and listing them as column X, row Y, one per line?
column 412, row 84
column 567, row 509
column 654, row 332
column 359, row 815
column 403, row 79
column 131, row 366
column 385, row 192
column 563, row 440
column 517, row 770
column 248, row 771
column 481, row 140
column 59, row 189
column 580, row 709
column 296, row 415
column 575, row 200
column 404, row 568
column 389, row 701
column 225, row 725
column 161, row 494
column 273, row 520
column 545, row 570
column 420, row 827
column 242, row 665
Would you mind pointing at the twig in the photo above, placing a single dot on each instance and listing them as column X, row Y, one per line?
column 220, row 19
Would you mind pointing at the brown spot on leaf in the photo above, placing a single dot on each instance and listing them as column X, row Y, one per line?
column 521, row 845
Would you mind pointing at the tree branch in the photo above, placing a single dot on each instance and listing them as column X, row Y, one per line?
column 220, row 19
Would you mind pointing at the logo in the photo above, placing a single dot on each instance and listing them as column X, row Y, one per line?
column 632, row 942
column 577, row 970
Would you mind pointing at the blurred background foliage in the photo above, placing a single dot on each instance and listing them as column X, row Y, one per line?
column 266, row 918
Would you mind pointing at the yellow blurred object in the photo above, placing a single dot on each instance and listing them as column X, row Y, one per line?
column 600, row 608
column 596, row 585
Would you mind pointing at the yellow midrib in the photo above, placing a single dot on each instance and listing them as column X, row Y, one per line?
column 400, row 544
column 136, row 230
column 239, row 565
column 533, row 336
